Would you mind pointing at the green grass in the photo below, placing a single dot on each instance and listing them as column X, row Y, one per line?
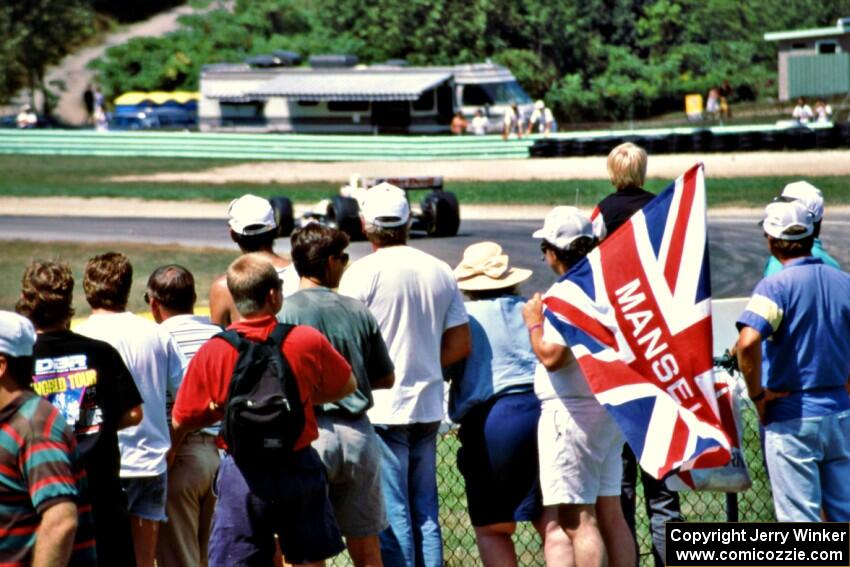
column 205, row 264
column 39, row 176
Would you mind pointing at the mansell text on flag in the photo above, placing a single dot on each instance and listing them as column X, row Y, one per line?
column 636, row 313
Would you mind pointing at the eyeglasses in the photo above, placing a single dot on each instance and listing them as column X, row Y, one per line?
column 147, row 298
column 343, row 258
column 544, row 246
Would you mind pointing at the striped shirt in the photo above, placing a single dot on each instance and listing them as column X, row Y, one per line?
column 39, row 468
column 190, row 332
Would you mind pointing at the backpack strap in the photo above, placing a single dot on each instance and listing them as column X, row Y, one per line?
column 242, row 345
column 279, row 334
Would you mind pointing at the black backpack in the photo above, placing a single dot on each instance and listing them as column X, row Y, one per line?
column 263, row 415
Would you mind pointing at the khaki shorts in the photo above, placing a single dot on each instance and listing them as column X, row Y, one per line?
column 352, row 457
column 580, row 447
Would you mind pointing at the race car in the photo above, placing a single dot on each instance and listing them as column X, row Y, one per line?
column 437, row 215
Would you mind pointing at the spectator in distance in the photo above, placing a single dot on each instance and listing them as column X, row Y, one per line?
column 799, row 321
column 802, row 113
column 90, row 385
column 156, row 365
column 43, row 491
column 459, row 124
column 512, row 121
column 415, row 299
column 257, row 501
column 479, row 123
column 183, row 540
column 492, row 398
column 811, row 198
column 541, row 116
column 253, row 228
column 347, row 443
column 580, row 445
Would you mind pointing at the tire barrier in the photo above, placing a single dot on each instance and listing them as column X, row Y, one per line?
column 702, row 140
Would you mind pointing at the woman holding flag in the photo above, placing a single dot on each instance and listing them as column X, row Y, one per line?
column 580, row 445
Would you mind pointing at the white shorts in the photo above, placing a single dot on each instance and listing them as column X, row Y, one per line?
column 580, row 449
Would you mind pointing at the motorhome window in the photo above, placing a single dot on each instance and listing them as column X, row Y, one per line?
column 425, row 101
column 475, row 95
column 349, row 105
column 242, row 112
column 494, row 93
column 308, row 103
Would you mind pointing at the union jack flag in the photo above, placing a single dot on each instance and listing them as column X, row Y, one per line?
column 637, row 315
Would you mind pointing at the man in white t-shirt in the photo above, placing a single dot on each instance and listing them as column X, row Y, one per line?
column 253, row 228
column 157, row 366
column 419, row 309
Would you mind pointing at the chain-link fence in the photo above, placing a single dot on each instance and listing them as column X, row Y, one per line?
column 754, row 505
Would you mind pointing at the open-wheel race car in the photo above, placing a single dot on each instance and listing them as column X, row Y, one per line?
column 438, row 214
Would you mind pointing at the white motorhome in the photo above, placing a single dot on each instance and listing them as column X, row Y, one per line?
column 362, row 99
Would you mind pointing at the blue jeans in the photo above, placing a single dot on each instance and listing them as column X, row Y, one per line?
column 409, row 480
column 809, row 463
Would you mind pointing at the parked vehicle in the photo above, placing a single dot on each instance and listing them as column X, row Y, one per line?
column 438, row 214
column 335, row 95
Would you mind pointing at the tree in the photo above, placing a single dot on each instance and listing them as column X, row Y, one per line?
column 36, row 34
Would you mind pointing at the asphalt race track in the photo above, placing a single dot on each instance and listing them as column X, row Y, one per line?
column 736, row 245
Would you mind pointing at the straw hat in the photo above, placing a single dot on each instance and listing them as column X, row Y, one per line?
column 485, row 267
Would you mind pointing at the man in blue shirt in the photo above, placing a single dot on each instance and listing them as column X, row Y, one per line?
column 799, row 320
column 812, row 198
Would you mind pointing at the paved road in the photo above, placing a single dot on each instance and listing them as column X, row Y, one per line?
column 735, row 244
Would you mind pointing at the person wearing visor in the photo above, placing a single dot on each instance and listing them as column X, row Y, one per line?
column 798, row 320
column 811, row 198
column 580, row 445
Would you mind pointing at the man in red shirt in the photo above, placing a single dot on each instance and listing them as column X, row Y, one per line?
column 255, row 503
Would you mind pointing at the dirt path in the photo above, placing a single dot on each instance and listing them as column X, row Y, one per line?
column 753, row 164
column 72, row 69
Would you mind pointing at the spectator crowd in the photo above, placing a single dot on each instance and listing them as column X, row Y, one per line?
column 301, row 418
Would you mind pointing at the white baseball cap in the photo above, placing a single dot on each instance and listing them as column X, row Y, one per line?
column 17, row 335
column 539, row 105
column 780, row 217
column 809, row 195
column 563, row 225
column 386, row 206
column 250, row 215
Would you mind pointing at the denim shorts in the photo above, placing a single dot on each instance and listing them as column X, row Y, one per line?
column 146, row 496
column 498, row 460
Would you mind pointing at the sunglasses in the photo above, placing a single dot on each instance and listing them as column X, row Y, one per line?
column 147, row 298
column 343, row 258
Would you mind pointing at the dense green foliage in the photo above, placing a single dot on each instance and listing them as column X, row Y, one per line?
column 35, row 34
column 591, row 60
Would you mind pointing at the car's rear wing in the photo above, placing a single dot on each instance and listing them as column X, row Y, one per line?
column 407, row 183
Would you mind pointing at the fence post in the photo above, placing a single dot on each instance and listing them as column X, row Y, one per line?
column 731, row 506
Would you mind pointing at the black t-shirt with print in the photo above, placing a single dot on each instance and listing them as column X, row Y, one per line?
column 89, row 383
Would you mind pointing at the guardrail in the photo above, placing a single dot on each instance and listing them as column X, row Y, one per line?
column 296, row 147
